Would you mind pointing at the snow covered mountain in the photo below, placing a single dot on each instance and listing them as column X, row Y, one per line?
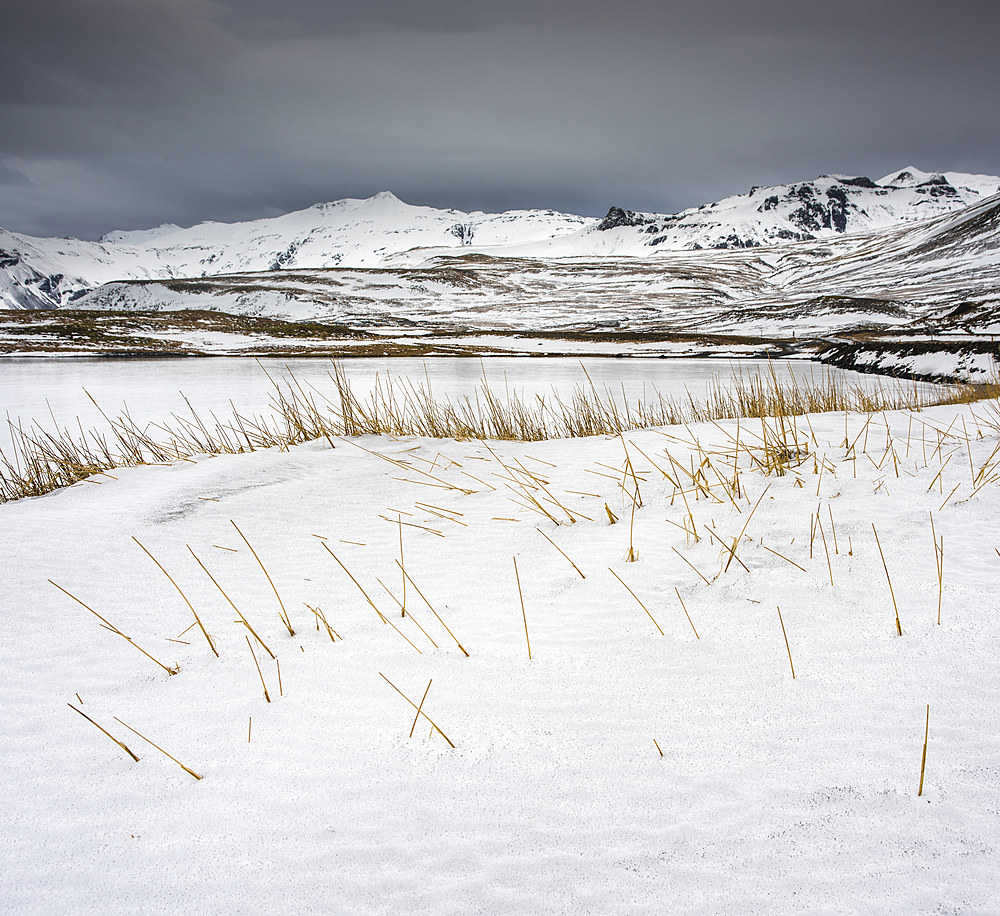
column 43, row 273
column 928, row 276
column 387, row 233
column 831, row 205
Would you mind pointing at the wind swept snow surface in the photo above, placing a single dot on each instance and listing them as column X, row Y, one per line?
column 773, row 794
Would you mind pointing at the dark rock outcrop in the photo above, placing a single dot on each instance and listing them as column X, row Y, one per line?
column 618, row 217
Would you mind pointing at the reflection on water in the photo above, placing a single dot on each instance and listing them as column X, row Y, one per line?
column 153, row 389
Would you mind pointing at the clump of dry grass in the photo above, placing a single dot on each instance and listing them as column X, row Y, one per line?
column 42, row 461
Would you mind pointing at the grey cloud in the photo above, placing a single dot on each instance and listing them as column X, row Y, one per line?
column 12, row 177
column 124, row 114
column 98, row 50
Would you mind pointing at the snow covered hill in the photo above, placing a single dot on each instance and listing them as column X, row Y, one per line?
column 384, row 231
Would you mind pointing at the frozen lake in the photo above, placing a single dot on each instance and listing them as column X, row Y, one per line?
column 153, row 389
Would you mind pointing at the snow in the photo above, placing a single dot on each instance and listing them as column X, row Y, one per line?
column 773, row 794
column 139, row 236
column 910, row 277
column 971, row 367
column 985, row 185
column 384, row 231
column 346, row 233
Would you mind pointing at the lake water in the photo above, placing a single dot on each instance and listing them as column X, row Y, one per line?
column 153, row 389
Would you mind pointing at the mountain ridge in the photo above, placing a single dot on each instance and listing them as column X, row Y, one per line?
column 383, row 231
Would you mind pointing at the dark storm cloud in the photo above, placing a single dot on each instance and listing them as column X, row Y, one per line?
column 128, row 113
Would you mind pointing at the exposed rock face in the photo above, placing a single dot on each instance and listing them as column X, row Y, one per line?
column 938, row 186
column 23, row 287
column 463, row 232
column 618, row 217
column 858, row 182
column 814, row 214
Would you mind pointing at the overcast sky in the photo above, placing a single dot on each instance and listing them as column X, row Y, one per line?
column 130, row 113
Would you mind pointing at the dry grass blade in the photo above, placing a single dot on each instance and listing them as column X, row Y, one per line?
column 243, row 619
column 632, row 556
column 435, row 613
column 949, row 496
column 260, row 673
column 105, row 731
column 739, row 537
column 382, row 616
column 689, row 563
column 666, row 476
column 412, row 525
column 939, row 473
column 160, row 749
column 402, row 566
column 197, row 619
column 646, row 609
column 826, row 550
column 114, row 629
column 320, row 616
column 387, row 590
column 358, row 584
column 401, row 633
column 557, row 547
column 899, row 626
column 414, row 705
column 523, row 613
column 408, row 614
column 630, row 470
column 939, row 563
column 420, row 708
column 833, row 527
column 686, row 614
column 923, row 758
column 284, row 614
column 783, row 557
column 787, row 647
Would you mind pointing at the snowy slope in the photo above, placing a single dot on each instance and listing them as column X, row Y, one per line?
column 954, row 258
column 42, row 273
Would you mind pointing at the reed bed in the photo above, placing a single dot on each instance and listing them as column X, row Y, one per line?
column 41, row 461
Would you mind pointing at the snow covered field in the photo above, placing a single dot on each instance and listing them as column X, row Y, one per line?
column 773, row 794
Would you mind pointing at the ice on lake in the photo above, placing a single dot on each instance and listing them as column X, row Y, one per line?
column 48, row 391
